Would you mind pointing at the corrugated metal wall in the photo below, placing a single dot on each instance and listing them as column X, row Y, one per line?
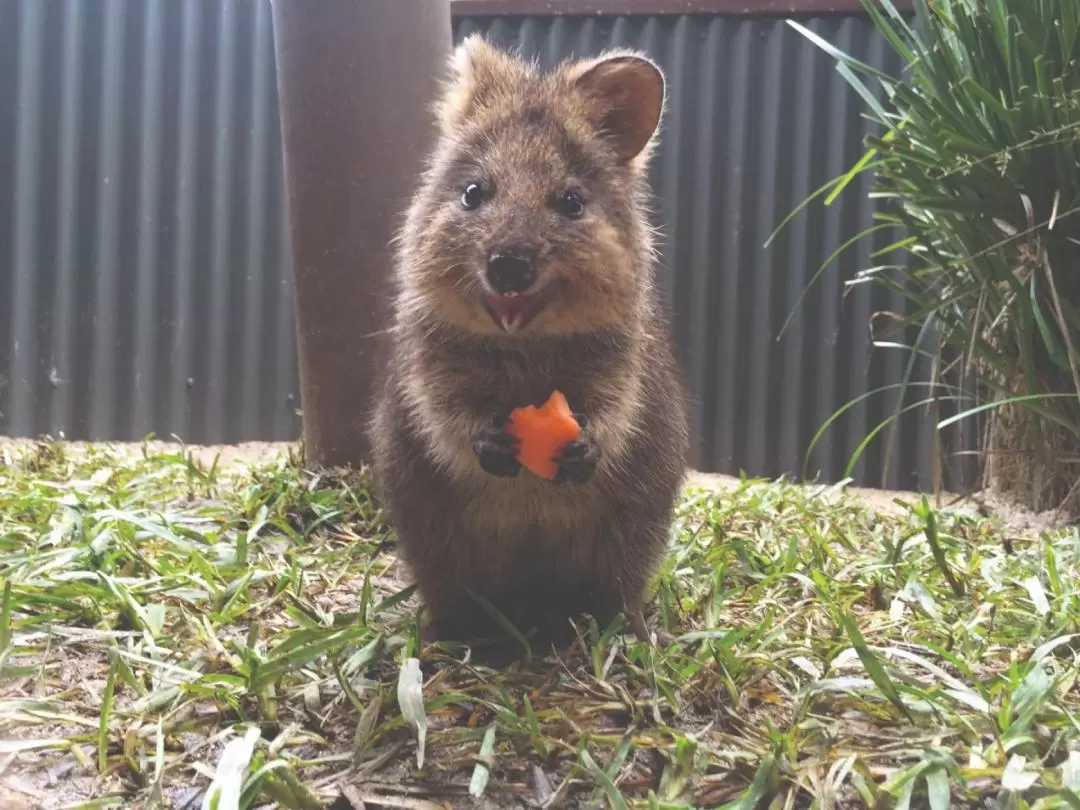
column 144, row 274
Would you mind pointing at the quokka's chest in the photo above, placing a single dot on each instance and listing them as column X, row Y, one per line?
column 476, row 374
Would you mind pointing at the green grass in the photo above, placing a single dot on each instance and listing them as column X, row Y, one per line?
column 165, row 624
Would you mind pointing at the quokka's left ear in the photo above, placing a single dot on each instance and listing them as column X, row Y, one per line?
column 624, row 96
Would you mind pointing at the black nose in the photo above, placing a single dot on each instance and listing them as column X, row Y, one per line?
column 510, row 271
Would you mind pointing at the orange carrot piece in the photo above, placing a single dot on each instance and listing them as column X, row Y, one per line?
column 543, row 432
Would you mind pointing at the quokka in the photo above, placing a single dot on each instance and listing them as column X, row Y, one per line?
column 526, row 265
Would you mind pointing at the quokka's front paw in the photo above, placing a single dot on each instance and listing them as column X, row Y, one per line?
column 496, row 449
column 577, row 461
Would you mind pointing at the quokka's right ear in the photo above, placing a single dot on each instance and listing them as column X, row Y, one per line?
column 477, row 70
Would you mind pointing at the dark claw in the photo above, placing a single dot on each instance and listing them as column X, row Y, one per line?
column 578, row 460
column 495, row 448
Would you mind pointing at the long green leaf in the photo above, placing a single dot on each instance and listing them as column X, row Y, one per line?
column 944, row 423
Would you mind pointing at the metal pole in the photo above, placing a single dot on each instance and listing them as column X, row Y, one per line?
column 356, row 80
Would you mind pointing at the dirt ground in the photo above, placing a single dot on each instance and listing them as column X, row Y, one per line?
column 1015, row 519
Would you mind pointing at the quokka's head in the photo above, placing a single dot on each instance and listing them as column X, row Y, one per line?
column 531, row 220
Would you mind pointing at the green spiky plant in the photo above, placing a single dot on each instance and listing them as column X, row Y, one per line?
column 979, row 163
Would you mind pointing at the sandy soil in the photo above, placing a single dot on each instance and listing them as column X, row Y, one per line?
column 234, row 457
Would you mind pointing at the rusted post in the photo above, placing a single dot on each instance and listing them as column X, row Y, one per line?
column 356, row 80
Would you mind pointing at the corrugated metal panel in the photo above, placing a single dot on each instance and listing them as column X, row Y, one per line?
column 144, row 272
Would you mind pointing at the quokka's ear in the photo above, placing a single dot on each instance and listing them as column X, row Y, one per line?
column 624, row 94
column 477, row 72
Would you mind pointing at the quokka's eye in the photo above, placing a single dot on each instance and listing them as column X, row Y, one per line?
column 472, row 196
column 570, row 204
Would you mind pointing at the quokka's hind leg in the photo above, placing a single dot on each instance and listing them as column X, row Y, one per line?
column 634, row 549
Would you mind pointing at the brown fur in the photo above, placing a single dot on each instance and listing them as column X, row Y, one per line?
column 534, row 548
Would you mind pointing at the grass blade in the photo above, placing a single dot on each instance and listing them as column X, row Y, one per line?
column 481, row 772
column 871, row 663
column 106, row 714
column 611, row 790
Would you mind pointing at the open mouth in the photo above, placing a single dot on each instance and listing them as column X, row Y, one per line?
column 514, row 311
